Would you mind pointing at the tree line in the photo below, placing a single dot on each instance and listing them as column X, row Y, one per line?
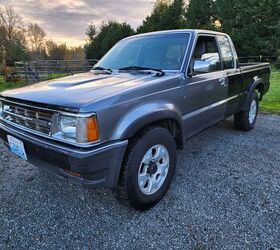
column 20, row 42
column 254, row 25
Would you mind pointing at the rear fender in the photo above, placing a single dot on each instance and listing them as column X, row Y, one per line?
column 257, row 83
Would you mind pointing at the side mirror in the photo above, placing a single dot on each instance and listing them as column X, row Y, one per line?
column 200, row 67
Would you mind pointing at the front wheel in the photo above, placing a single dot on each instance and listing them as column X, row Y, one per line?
column 148, row 168
column 246, row 120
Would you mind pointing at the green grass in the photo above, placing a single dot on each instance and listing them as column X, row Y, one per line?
column 271, row 101
column 9, row 85
column 58, row 75
column 12, row 85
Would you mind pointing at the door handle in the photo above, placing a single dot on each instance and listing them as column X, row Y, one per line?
column 222, row 82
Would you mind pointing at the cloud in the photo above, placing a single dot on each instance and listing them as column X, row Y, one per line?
column 66, row 20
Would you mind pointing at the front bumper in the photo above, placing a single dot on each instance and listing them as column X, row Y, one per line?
column 98, row 166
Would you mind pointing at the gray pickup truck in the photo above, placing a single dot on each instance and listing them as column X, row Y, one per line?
column 119, row 125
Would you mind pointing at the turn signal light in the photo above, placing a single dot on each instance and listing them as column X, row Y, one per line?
column 92, row 129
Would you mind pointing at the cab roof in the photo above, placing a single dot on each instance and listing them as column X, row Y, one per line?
column 192, row 31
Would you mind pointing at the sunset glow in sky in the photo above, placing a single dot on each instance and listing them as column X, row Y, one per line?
column 65, row 21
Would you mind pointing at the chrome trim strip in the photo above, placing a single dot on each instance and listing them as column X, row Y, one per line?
column 17, row 115
column 205, row 80
column 204, row 109
column 247, row 69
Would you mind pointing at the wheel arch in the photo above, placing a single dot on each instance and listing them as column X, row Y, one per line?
column 161, row 114
column 257, row 84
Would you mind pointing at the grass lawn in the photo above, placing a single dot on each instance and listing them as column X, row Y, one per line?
column 12, row 85
column 9, row 85
column 271, row 101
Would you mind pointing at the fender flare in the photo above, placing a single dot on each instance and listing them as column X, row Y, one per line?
column 147, row 114
column 257, row 81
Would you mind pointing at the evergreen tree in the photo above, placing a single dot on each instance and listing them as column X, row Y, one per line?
column 254, row 25
column 199, row 14
column 99, row 42
column 165, row 15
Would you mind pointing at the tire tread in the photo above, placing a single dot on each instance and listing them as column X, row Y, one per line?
column 241, row 118
column 121, row 192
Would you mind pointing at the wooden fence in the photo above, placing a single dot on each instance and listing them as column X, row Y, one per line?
column 36, row 71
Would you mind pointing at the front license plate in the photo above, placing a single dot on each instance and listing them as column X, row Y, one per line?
column 17, row 147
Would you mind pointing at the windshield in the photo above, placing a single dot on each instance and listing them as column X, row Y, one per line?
column 153, row 51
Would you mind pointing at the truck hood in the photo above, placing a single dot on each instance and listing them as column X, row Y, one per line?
column 75, row 91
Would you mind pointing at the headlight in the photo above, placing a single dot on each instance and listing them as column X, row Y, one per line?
column 68, row 126
column 77, row 129
column 1, row 108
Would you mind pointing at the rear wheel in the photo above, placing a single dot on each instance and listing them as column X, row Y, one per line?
column 148, row 168
column 246, row 120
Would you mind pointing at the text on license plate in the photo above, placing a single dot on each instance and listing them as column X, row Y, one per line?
column 17, row 147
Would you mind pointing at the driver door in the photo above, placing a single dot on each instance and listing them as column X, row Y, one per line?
column 207, row 89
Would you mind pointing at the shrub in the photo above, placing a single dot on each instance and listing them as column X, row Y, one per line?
column 277, row 64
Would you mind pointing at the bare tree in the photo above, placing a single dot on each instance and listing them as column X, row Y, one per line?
column 56, row 51
column 50, row 46
column 36, row 36
column 11, row 30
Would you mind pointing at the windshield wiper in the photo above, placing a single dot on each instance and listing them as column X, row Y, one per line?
column 105, row 70
column 159, row 71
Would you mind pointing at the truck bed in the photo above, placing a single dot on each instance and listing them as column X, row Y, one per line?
column 253, row 71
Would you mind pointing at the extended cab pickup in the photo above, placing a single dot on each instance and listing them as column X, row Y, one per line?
column 119, row 125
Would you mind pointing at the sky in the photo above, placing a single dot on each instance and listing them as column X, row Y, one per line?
column 65, row 21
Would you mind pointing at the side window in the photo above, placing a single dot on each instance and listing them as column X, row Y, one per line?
column 206, row 49
column 226, row 51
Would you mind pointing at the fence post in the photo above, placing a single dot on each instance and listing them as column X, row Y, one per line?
column 25, row 73
column 36, row 72
column 48, row 69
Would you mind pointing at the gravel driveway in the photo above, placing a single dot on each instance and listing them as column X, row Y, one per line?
column 226, row 194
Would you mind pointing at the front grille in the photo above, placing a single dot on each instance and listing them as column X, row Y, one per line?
column 36, row 119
